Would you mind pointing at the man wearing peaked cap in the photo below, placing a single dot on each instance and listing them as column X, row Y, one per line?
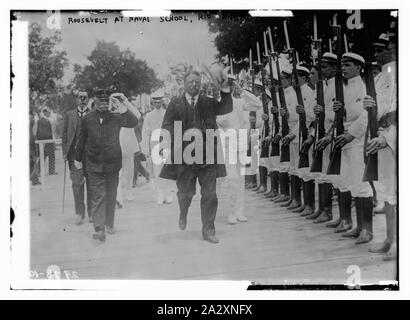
column 351, row 142
column 324, row 208
column 264, row 162
column 301, row 176
column 274, row 159
column 99, row 147
column 386, row 143
column 257, row 92
column 283, row 168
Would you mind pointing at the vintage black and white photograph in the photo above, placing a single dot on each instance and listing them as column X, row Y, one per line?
column 256, row 145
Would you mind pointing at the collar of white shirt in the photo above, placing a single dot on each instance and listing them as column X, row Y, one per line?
column 189, row 98
column 354, row 80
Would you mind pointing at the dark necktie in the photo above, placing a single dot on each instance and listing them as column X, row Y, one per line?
column 195, row 111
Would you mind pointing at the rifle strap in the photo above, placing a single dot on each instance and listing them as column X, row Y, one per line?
column 366, row 140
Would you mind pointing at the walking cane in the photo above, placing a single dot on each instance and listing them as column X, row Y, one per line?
column 65, row 171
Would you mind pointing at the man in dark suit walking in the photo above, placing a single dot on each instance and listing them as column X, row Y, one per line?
column 196, row 112
column 71, row 130
column 98, row 147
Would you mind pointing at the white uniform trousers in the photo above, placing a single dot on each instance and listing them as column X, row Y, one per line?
column 351, row 173
column 236, row 185
column 304, row 173
column 386, row 186
column 294, row 158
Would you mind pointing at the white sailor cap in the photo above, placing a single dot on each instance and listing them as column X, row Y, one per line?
column 287, row 72
column 352, row 56
column 383, row 41
column 158, row 94
column 303, row 70
column 329, row 57
column 257, row 82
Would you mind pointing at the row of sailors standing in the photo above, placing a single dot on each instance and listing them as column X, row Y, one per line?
column 287, row 179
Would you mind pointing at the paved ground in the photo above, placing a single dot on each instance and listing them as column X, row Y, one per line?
column 274, row 247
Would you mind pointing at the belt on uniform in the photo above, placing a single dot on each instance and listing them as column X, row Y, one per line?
column 388, row 119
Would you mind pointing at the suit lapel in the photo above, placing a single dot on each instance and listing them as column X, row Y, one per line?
column 76, row 119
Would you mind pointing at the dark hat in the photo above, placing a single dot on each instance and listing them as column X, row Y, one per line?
column 102, row 93
column 383, row 41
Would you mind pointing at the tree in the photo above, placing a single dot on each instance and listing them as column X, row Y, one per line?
column 46, row 63
column 236, row 34
column 111, row 67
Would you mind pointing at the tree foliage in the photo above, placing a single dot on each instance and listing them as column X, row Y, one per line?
column 109, row 66
column 46, row 63
column 238, row 33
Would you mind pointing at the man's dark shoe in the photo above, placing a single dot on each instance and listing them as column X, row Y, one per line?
column 294, row 205
column 110, row 230
column 324, row 217
column 334, row 224
column 99, row 235
column 282, row 198
column 211, row 239
column 182, row 223
column 286, row 203
column 352, row 233
column 344, row 226
column 364, row 237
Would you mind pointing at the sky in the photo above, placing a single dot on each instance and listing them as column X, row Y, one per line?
column 158, row 42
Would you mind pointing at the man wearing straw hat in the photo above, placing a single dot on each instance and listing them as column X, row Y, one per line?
column 153, row 121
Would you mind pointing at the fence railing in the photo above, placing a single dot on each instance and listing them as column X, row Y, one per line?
column 41, row 144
